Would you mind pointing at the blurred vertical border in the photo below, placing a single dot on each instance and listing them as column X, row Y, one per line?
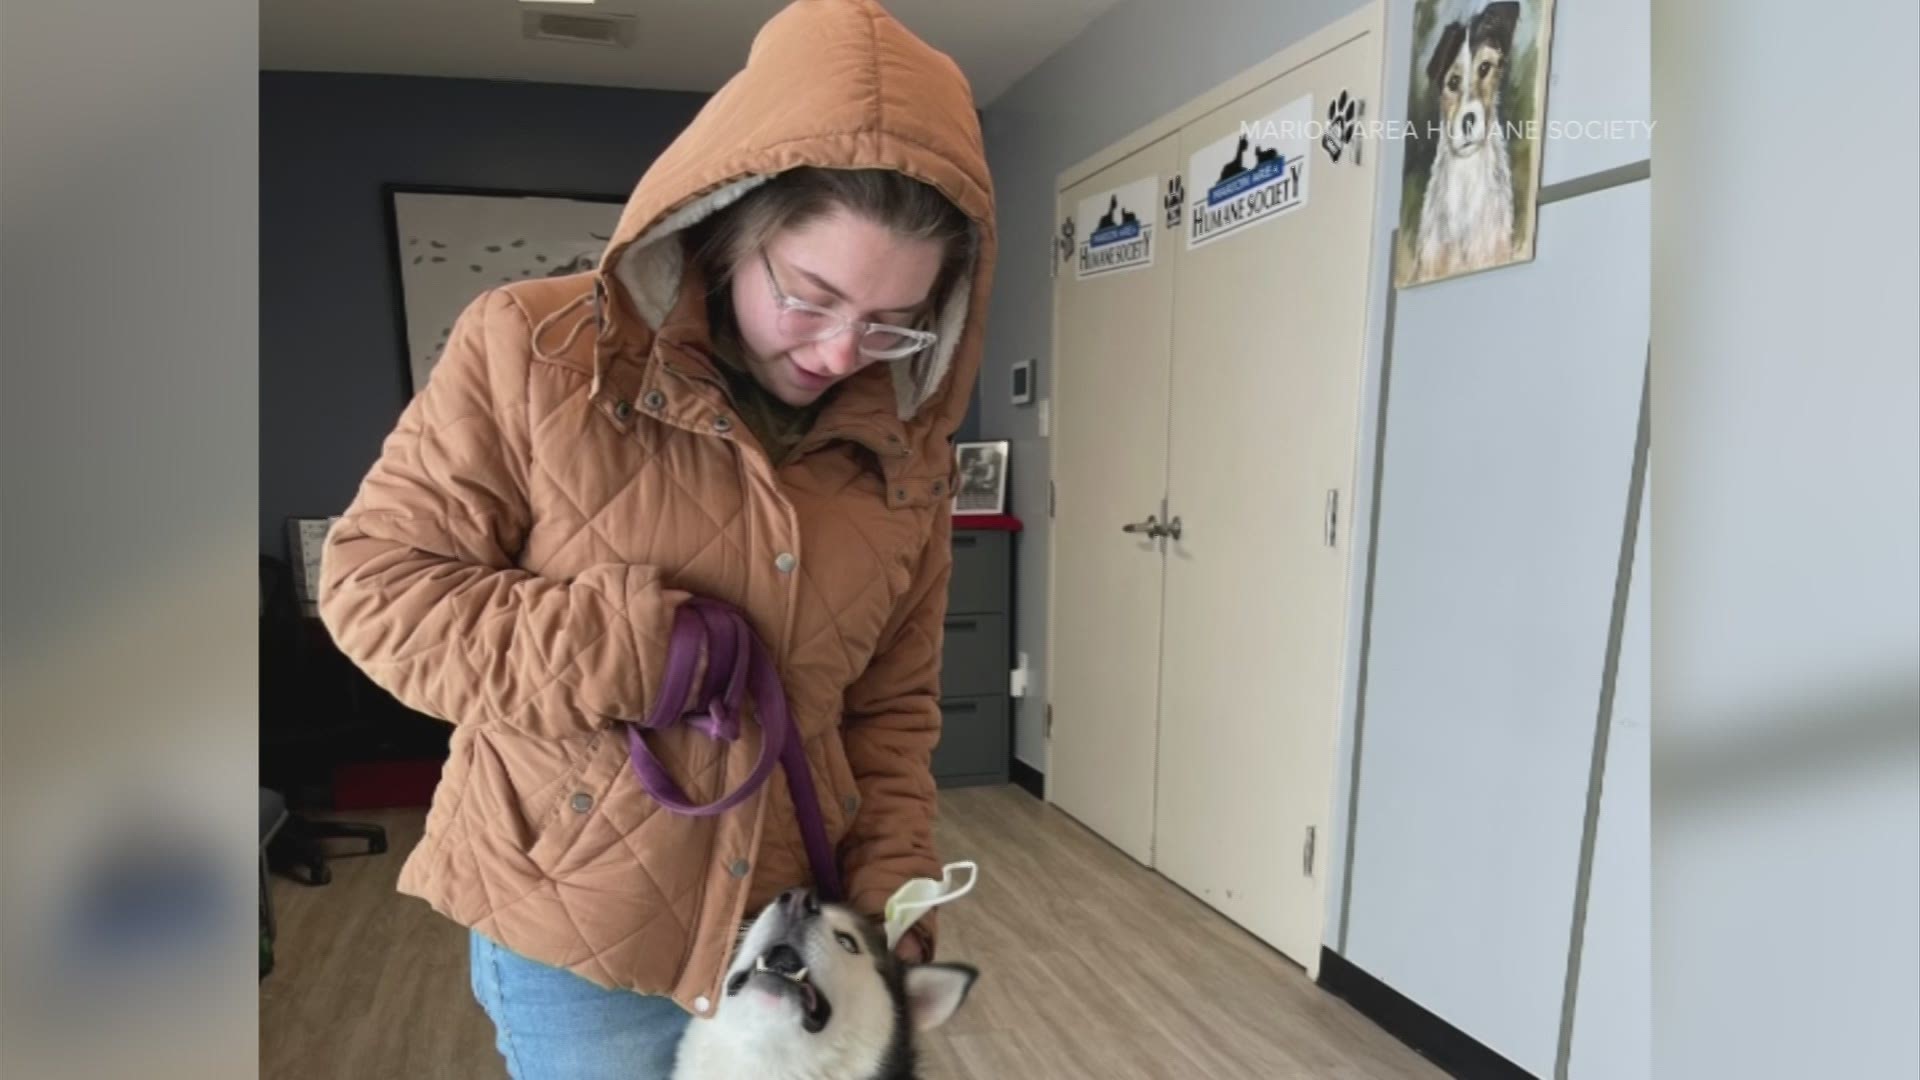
column 128, row 582
column 1786, row 534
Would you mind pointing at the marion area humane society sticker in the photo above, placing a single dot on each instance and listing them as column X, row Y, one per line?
column 1255, row 175
column 1119, row 228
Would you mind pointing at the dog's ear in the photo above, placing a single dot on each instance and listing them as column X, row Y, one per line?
column 1451, row 38
column 1494, row 25
column 936, row 991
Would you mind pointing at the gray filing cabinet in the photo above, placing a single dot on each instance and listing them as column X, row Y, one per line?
column 976, row 725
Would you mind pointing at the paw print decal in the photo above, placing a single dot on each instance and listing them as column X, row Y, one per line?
column 1175, row 201
column 1064, row 245
column 1342, row 112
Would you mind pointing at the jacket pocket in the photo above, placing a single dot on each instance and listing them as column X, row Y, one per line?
column 843, row 791
column 574, row 805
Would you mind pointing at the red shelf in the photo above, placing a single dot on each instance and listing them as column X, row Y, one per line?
column 992, row 522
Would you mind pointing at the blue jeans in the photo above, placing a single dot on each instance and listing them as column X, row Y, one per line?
column 551, row 1023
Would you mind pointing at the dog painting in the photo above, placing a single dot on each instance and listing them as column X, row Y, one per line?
column 1475, row 108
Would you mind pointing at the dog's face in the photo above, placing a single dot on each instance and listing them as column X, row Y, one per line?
column 1468, row 68
column 816, row 983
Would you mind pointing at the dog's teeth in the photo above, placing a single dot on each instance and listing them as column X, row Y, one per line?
column 760, row 964
column 800, row 976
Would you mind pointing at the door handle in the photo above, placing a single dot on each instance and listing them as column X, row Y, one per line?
column 1154, row 528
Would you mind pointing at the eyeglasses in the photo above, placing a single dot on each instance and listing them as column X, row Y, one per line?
column 811, row 322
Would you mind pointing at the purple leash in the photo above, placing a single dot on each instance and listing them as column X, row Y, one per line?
column 737, row 664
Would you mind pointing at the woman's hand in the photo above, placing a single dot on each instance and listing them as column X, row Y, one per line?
column 911, row 949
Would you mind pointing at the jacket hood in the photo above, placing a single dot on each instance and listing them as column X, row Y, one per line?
column 831, row 84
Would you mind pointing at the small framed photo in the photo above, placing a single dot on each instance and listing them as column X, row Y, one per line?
column 983, row 478
column 305, row 537
column 1023, row 382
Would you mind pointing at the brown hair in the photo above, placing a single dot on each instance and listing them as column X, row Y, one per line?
column 798, row 197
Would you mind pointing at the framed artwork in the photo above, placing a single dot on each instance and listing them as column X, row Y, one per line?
column 1476, row 105
column 983, row 478
column 449, row 245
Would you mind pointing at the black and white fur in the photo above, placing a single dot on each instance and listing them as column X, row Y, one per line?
column 815, row 994
column 1466, row 220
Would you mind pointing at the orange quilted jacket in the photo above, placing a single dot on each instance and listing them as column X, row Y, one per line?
column 571, row 472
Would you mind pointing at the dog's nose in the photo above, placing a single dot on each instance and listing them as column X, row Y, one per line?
column 784, row 960
column 798, row 902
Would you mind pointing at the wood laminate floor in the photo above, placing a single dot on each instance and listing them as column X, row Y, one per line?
column 1092, row 966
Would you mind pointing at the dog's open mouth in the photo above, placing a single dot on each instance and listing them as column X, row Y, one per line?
column 781, row 970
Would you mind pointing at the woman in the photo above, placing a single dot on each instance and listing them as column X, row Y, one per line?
column 750, row 402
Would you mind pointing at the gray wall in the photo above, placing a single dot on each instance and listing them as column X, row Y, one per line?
column 1505, row 476
column 1133, row 64
column 1508, row 468
column 331, row 374
column 331, row 369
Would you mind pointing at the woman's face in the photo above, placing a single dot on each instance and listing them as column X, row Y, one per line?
column 847, row 264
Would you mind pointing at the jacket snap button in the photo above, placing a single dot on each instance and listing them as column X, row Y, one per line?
column 852, row 804
column 582, row 802
column 623, row 409
column 738, row 869
column 654, row 400
column 785, row 562
column 701, row 1004
column 722, row 424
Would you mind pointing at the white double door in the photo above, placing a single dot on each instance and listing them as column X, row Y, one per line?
column 1196, row 678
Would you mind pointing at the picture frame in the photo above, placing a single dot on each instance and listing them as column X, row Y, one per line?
column 306, row 536
column 1470, row 191
column 982, row 486
column 447, row 245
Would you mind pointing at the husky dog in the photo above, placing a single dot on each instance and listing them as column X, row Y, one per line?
column 1466, row 220
column 815, row 994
